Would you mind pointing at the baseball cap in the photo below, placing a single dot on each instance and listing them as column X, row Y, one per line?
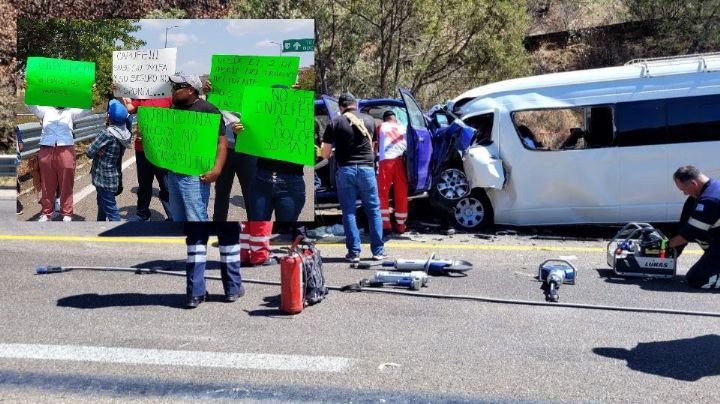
column 347, row 99
column 117, row 113
column 193, row 80
column 387, row 114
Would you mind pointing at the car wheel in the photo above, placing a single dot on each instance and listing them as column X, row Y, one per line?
column 452, row 184
column 473, row 212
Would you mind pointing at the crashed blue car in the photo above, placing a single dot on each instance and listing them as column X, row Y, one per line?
column 436, row 141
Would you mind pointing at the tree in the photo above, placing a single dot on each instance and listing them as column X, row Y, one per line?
column 87, row 40
column 435, row 49
column 682, row 26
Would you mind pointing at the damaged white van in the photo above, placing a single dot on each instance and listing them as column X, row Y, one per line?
column 592, row 146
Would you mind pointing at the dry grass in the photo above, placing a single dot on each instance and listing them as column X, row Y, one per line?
column 551, row 127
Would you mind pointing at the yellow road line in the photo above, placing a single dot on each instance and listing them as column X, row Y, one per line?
column 390, row 245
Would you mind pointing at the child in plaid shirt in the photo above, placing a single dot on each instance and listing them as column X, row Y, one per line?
column 106, row 152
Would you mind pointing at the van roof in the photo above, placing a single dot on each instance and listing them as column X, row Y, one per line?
column 634, row 70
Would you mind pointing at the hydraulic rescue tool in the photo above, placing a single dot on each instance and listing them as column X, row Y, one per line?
column 553, row 273
column 430, row 266
column 413, row 280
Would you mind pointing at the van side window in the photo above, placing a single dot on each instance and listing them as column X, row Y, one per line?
column 552, row 129
column 640, row 123
column 693, row 119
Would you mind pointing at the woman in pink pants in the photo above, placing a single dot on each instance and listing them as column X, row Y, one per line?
column 57, row 157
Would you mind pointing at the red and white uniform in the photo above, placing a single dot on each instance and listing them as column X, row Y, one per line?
column 391, row 172
column 255, row 242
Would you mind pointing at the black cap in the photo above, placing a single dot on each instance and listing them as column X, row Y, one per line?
column 388, row 114
column 347, row 99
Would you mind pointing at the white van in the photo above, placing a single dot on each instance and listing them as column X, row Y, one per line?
column 593, row 146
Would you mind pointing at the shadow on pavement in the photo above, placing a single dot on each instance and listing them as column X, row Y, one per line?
column 272, row 304
column 676, row 284
column 146, row 229
column 96, row 301
column 687, row 359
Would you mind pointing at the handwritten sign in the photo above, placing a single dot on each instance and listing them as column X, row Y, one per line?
column 143, row 74
column 230, row 74
column 184, row 142
column 59, row 83
column 279, row 124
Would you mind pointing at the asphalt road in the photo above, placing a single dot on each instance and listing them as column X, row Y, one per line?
column 85, row 205
column 108, row 336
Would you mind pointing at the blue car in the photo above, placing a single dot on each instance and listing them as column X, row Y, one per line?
column 433, row 163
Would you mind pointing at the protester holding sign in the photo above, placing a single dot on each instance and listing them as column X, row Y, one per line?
column 57, row 157
column 190, row 194
column 240, row 165
column 146, row 170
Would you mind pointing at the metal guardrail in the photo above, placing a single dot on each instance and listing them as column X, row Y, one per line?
column 7, row 165
column 85, row 129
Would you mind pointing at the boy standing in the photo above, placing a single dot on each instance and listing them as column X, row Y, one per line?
column 106, row 152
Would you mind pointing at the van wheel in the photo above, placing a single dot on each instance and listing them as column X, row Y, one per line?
column 452, row 184
column 474, row 211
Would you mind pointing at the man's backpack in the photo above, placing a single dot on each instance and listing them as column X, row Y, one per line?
column 313, row 278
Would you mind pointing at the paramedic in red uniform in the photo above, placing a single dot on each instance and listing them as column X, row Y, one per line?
column 391, row 171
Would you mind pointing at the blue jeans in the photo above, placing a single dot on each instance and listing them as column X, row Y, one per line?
column 282, row 193
column 107, row 207
column 353, row 181
column 189, row 197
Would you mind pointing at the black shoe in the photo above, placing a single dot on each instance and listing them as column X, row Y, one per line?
column 235, row 296
column 449, row 231
column 195, row 301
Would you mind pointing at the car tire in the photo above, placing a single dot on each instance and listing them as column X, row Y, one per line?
column 452, row 184
column 473, row 211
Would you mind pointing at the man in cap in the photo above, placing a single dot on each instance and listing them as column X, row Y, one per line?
column 352, row 134
column 189, row 195
column 391, row 171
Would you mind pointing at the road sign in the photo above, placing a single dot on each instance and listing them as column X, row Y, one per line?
column 299, row 45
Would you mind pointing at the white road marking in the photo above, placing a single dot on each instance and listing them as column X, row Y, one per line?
column 232, row 360
column 89, row 189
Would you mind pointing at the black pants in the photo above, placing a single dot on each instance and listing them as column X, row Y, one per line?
column 706, row 271
column 242, row 165
column 146, row 171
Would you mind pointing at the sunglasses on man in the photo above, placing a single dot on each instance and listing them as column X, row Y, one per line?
column 178, row 86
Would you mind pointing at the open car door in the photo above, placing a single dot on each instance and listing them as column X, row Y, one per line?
column 325, row 169
column 419, row 142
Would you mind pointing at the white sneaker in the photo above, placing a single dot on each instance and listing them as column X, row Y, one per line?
column 43, row 218
column 67, row 218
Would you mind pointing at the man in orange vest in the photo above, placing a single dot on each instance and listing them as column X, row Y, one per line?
column 392, row 144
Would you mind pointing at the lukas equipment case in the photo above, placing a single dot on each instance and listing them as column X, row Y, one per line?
column 640, row 250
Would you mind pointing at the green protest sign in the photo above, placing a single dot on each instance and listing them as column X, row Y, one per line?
column 278, row 124
column 230, row 74
column 59, row 83
column 299, row 45
column 184, row 142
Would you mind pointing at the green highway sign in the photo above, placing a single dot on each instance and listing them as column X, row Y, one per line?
column 299, row 45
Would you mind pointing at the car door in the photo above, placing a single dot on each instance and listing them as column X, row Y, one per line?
column 325, row 169
column 419, row 142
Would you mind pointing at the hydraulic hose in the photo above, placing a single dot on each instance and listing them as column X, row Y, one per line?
column 357, row 288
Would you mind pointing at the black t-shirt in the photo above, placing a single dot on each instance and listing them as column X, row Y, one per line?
column 203, row 106
column 278, row 166
column 351, row 146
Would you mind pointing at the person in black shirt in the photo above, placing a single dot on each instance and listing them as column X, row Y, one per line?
column 352, row 134
column 190, row 195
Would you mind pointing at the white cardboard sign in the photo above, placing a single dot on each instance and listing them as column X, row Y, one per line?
column 143, row 74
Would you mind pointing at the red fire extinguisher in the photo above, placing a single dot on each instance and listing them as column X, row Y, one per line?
column 291, row 282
